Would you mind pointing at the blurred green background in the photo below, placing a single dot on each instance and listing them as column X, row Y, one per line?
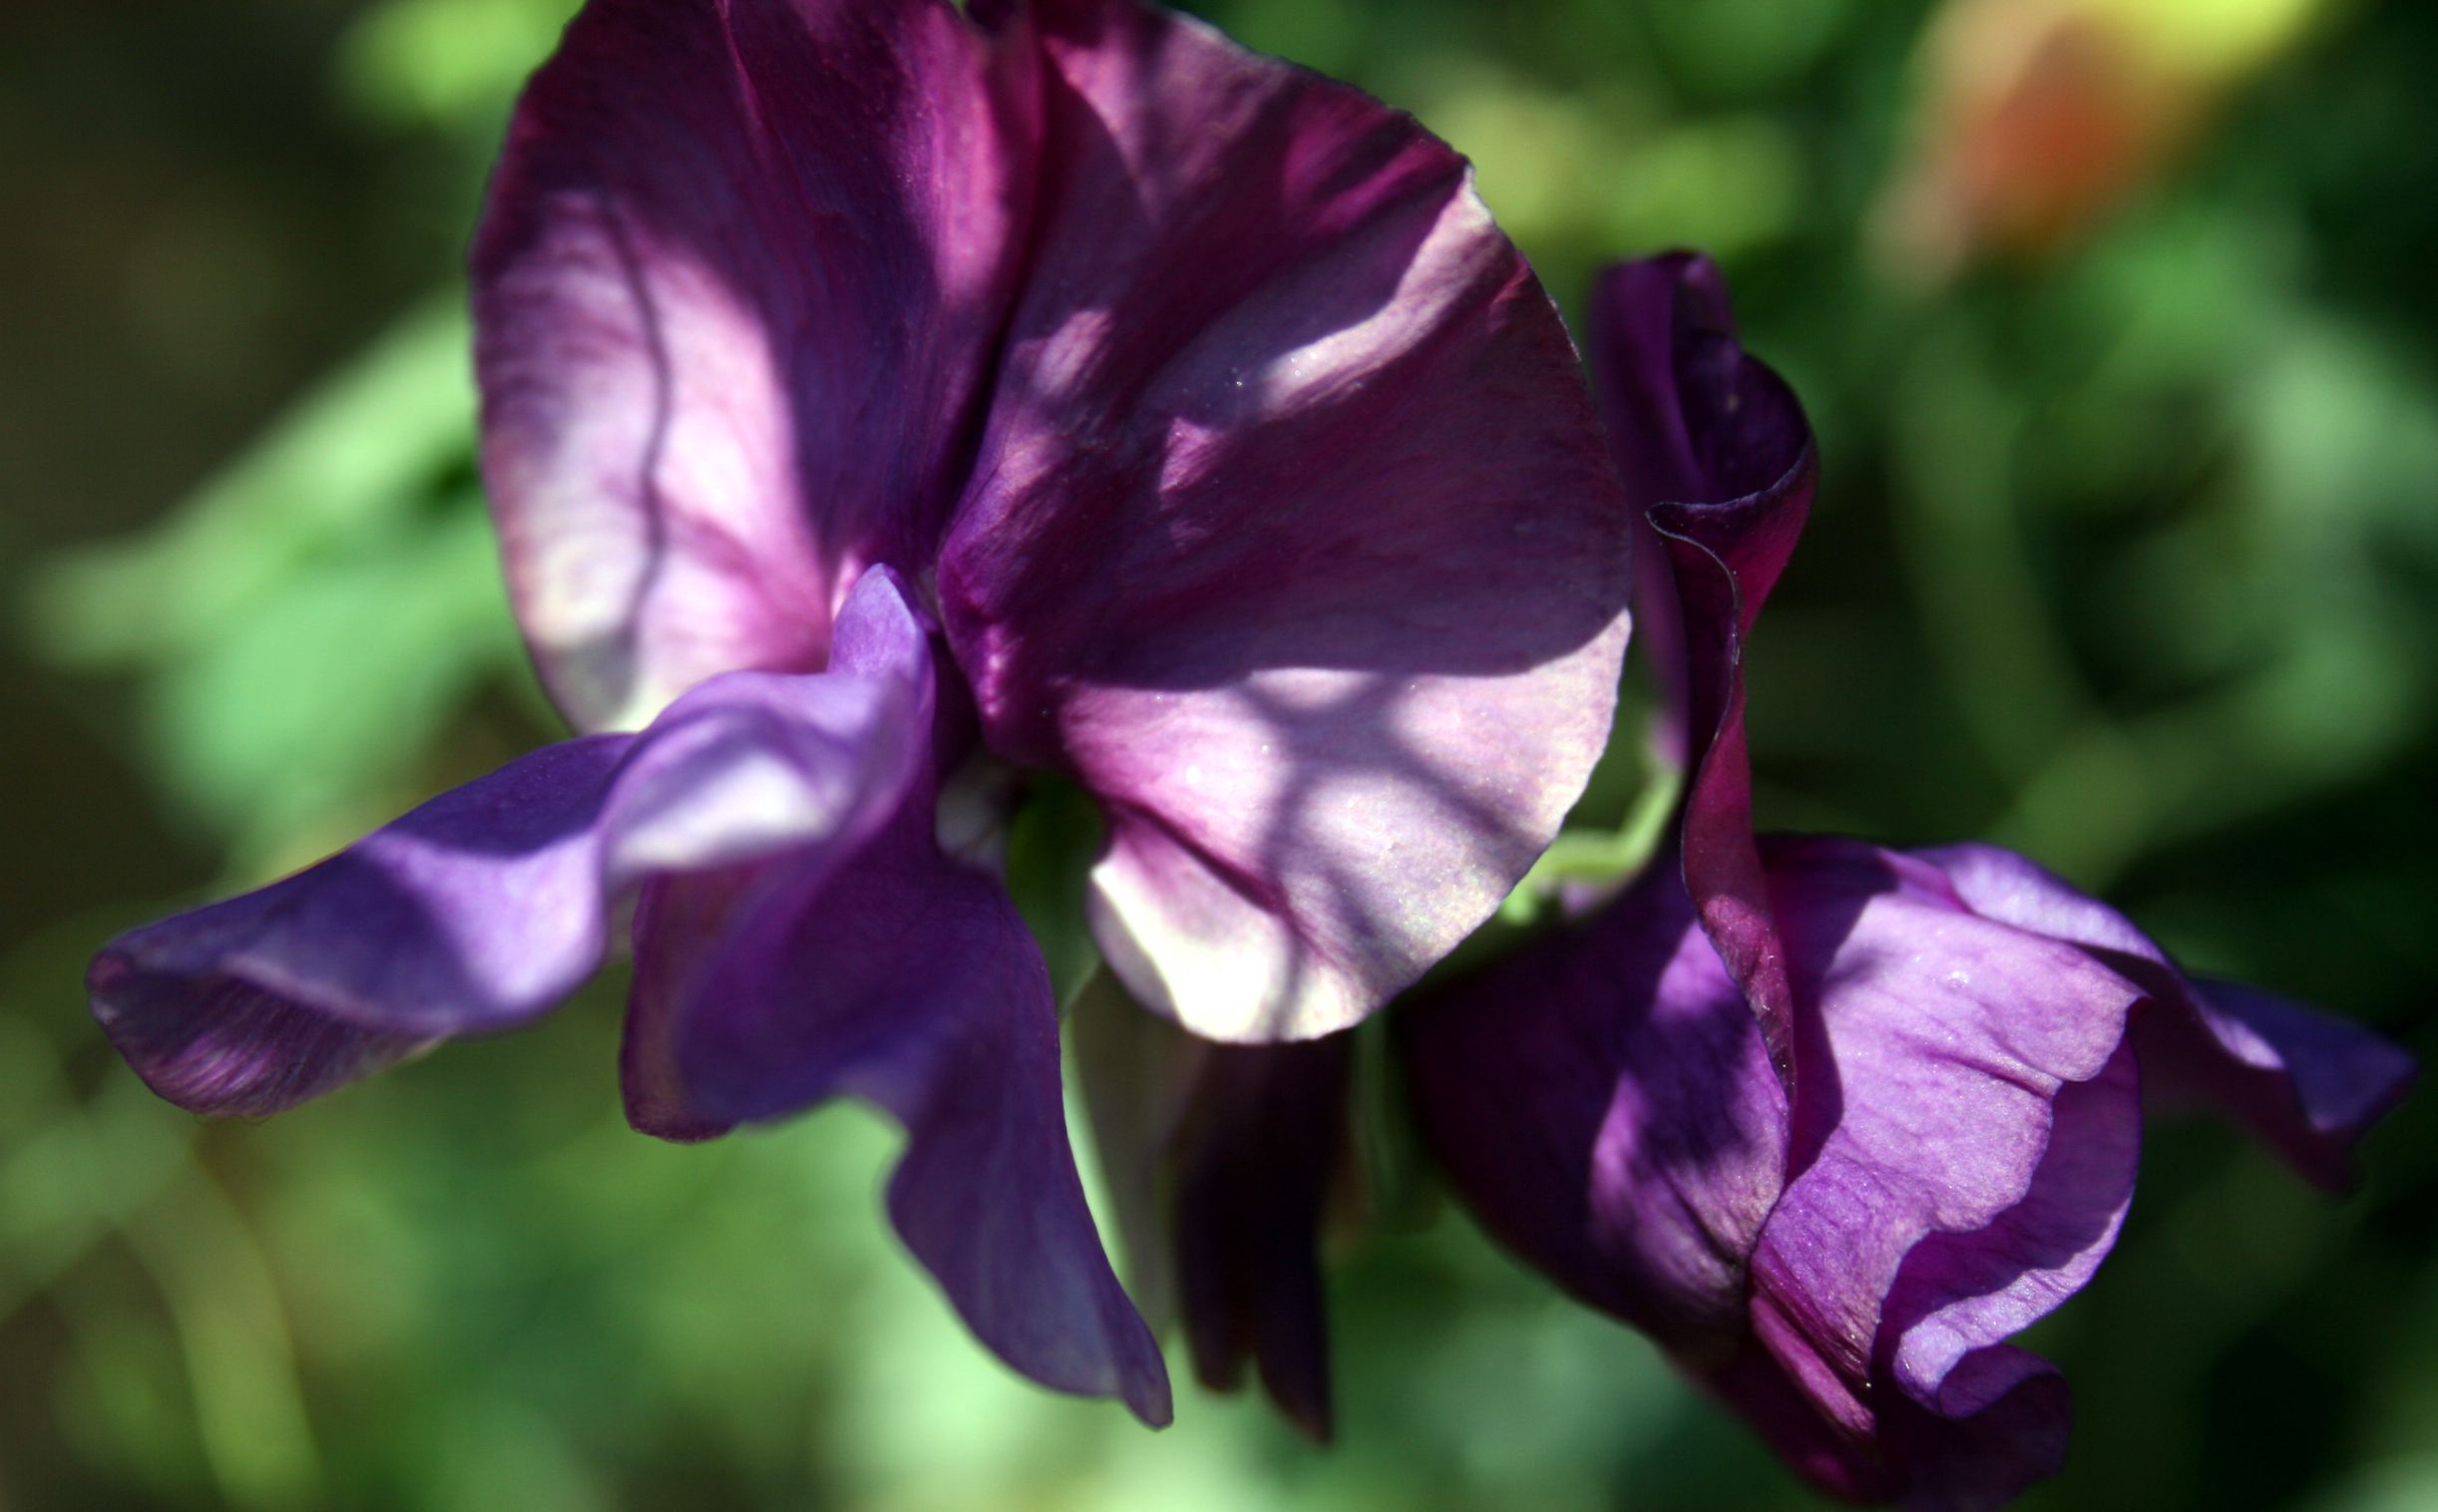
column 2121, row 344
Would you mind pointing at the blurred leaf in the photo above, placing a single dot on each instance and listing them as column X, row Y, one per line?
column 1318, row 33
column 1601, row 173
column 307, row 622
column 2396, row 1485
column 447, row 61
column 362, row 452
column 1744, row 47
column 330, row 691
column 248, row 1407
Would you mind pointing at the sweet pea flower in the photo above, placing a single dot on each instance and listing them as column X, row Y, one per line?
column 1830, row 1122
column 882, row 397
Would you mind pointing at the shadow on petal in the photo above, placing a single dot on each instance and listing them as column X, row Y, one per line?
column 904, row 978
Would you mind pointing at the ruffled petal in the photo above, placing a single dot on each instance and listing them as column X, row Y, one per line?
column 1963, row 1291
column 2000, row 1425
column 1291, row 532
column 1719, row 468
column 1601, row 1099
column 2307, row 1084
column 1997, row 1426
column 1844, row 1275
column 903, row 978
column 1965, row 1145
column 1835, row 1207
column 736, row 289
column 1952, row 1038
column 487, row 905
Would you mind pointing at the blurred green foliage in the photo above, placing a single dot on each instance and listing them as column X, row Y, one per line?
column 345, row 551
column 2127, row 556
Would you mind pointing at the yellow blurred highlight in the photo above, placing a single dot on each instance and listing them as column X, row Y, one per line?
column 2226, row 40
column 2038, row 118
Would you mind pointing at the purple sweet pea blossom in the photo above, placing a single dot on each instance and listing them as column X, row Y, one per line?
column 874, row 389
column 1830, row 1122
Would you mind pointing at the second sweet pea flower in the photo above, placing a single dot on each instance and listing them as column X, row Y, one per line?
column 1832, row 1122
column 875, row 392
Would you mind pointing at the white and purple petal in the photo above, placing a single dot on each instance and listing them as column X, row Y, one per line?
column 735, row 292
column 1291, row 533
column 1264, row 493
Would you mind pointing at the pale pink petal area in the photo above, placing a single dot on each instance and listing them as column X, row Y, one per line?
column 735, row 290
column 1291, row 533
